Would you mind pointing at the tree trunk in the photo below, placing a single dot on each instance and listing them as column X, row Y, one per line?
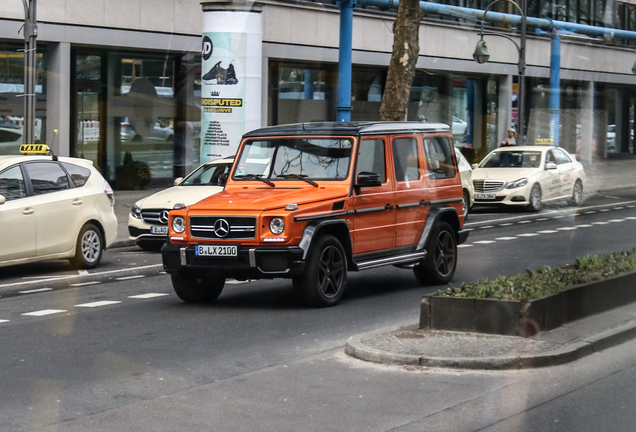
column 406, row 48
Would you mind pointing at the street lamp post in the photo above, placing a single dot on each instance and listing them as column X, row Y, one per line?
column 481, row 56
column 30, row 31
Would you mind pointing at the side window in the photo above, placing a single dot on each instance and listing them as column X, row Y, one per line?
column 47, row 177
column 439, row 157
column 79, row 174
column 550, row 157
column 12, row 183
column 561, row 158
column 371, row 158
column 405, row 160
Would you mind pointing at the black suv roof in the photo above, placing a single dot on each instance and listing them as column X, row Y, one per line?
column 348, row 128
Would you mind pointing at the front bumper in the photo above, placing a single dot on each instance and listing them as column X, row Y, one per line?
column 515, row 197
column 252, row 262
column 140, row 230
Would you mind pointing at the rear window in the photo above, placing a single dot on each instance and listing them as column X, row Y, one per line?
column 79, row 174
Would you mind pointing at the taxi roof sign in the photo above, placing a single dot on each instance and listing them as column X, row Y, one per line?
column 35, row 149
column 544, row 141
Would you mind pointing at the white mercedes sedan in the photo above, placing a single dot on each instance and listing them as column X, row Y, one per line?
column 528, row 176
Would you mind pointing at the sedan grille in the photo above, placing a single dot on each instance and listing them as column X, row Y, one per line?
column 488, row 185
column 215, row 227
column 155, row 216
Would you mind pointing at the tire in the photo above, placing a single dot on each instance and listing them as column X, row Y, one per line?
column 466, row 204
column 150, row 245
column 577, row 193
column 89, row 248
column 192, row 289
column 439, row 265
column 324, row 278
column 535, row 198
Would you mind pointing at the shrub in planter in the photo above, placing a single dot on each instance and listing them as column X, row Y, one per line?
column 132, row 174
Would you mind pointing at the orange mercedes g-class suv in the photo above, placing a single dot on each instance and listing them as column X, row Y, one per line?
column 313, row 201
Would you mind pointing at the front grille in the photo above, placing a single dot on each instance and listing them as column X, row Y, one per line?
column 482, row 186
column 154, row 216
column 216, row 227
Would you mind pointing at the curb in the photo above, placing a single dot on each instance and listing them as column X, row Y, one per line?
column 567, row 353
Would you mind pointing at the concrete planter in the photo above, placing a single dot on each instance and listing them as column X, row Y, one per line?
column 526, row 319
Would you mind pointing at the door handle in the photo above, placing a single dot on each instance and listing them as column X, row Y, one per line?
column 77, row 202
column 388, row 207
column 27, row 211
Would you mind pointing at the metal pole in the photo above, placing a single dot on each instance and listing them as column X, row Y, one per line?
column 30, row 46
column 555, row 86
column 521, row 97
column 344, row 57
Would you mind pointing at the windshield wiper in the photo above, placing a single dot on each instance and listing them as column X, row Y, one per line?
column 299, row 177
column 255, row 177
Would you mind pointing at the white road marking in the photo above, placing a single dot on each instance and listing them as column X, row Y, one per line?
column 84, row 283
column 40, row 277
column 566, row 228
column 558, row 217
column 487, row 226
column 130, row 277
column 147, row 296
column 616, row 220
column 83, row 272
column 584, row 226
column 98, row 303
column 3, row 321
column 506, row 224
column 589, row 212
column 600, row 223
column 35, row 290
column 236, row 282
column 484, row 242
column 547, row 231
column 527, row 235
column 631, row 206
column 604, row 210
column 543, row 219
column 44, row 312
column 56, row 278
column 464, row 245
column 619, row 208
column 524, row 222
column 505, row 238
column 631, row 217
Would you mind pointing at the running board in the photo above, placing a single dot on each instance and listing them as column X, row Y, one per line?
column 400, row 259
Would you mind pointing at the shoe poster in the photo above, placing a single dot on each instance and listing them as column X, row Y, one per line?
column 230, row 82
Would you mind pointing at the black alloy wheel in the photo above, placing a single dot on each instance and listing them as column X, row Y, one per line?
column 439, row 265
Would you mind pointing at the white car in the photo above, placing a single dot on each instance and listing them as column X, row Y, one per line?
column 148, row 219
column 528, row 176
column 159, row 132
column 466, row 174
column 54, row 208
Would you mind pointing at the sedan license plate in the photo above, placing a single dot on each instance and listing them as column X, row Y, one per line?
column 159, row 230
column 483, row 196
column 219, row 251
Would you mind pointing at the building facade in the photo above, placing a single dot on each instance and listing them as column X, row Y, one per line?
column 117, row 76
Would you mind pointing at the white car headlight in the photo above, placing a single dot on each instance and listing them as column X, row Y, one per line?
column 517, row 183
column 178, row 224
column 277, row 226
column 136, row 212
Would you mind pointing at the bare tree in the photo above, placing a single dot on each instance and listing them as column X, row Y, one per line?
column 406, row 48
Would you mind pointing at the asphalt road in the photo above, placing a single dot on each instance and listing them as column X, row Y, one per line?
column 114, row 349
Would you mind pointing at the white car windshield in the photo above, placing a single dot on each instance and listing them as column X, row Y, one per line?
column 295, row 158
column 512, row 159
column 206, row 175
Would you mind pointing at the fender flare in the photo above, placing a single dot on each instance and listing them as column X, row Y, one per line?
column 449, row 214
column 313, row 228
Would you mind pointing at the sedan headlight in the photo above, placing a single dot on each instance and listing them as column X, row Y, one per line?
column 136, row 212
column 517, row 183
column 277, row 226
column 178, row 224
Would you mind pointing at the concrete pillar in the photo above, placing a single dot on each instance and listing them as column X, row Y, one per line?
column 504, row 116
column 587, row 122
column 58, row 92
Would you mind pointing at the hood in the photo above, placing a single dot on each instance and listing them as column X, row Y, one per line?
column 268, row 198
column 178, row 194
column 507, row 174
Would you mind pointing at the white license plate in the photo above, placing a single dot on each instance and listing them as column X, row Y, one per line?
column 482, row 196
column 209, row 250
column 159, row 230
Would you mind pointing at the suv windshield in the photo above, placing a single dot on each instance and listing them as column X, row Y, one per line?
column 512, row 159
column 294, row 158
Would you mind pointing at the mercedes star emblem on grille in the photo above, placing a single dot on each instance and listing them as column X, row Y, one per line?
column 221, row 228
column 163, row 217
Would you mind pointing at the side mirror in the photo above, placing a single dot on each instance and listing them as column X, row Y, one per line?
column 222, row 180
column 473, row 166
column 178, row 180
column 2, row 199
column 550, row 166
column 366, row 179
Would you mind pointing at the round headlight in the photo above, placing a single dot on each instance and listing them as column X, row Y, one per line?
column 277, row 226
column 178, row 224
